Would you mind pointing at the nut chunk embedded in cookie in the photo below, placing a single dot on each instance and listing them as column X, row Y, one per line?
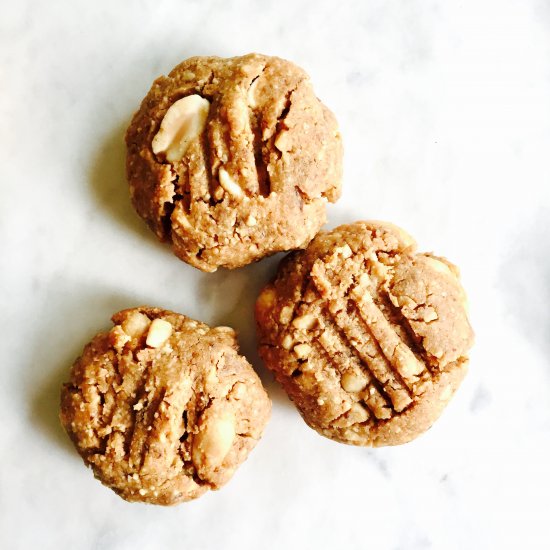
column 368, row 337
column 231, row 160
column 162, row 407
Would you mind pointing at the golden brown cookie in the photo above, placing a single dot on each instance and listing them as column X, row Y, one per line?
column 368, row 337
column 233, row 159
column 162, row 407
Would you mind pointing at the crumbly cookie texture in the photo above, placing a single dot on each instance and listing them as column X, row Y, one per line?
column 233, row 159
column 162, row 407
column 368, row 337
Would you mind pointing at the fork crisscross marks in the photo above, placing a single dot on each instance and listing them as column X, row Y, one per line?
column 391, row 362
column 345, row 383
column 355, row 375
column 369, row 295
column 413, row 371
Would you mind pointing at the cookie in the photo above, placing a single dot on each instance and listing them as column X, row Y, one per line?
column 368, row 337
column 231, row 160
column 162, row 407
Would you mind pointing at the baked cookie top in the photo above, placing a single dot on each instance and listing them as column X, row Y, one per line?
column 162, row 407
column 368, row 337
column 233, row 159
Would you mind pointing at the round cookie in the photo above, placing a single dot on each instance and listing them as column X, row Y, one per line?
column 368, row 337
column 233, row 159
column 162, row 407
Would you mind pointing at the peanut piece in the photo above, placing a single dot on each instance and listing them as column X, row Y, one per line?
column 305, row 322
column 344, row 251
column 229, row 185
column 286, row 314
column 251, row 221
column 214, row 441
column 159, row 331
column 302, row 350
column 136, row 325
column 287, row 342
column 352, row 383
column 183, row 122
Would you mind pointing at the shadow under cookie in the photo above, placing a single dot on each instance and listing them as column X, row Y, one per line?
column 79, row 313
column 107, row 181
column 233, row 293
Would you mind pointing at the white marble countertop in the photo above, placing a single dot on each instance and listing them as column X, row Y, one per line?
column 445, row 112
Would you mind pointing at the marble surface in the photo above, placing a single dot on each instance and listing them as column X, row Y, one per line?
column 445, row 112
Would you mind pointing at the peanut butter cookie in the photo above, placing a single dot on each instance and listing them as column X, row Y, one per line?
column 162, row 407
column 368, row 337
column 233, row 159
